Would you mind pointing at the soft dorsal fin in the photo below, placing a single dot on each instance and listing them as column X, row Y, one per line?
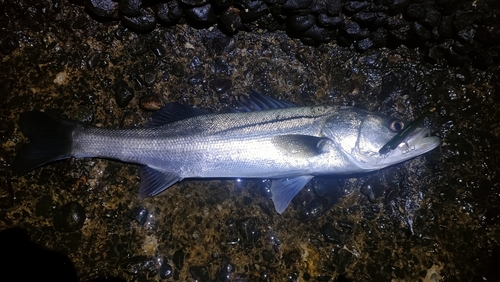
column 285, row 189
column 174, row 112
column 260, row 102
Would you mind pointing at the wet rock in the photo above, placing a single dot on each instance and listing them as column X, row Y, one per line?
column 166, row 270
column 139, row 214
column 199, row 273
column 316, row 208
column 267, row 256
column 218, row 43
column 351, row 30
column 332, row 234
column 220, row 85
column 364, row 44
column 143, row 22
column 130, row 8
column 123, row 93
column 224, row 273
column 249, row 230
column 169, row 13
column 301, row 23
column 150, row 103
column 231, row 20
column 220, row 66
column 330, row 21
column 372, row 189
column 178, row 258
column 70, row 217
column 203, row 16
column 196, row 79
column 102, row 8
column 297, row 4
column 355, row 6
column 333, row 7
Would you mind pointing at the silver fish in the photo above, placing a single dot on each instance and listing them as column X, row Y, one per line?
column 265, row 138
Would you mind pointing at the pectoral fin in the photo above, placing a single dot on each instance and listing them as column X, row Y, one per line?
column 285, row 189
column 154, row 182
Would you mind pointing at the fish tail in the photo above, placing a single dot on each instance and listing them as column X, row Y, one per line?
column 50, row 140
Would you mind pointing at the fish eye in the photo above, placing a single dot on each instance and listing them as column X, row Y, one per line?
column 396, row 125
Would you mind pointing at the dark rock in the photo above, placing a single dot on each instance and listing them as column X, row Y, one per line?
column 220, row 85
column 224, row 273
column 355, row 6
column 301, row 23
column 199, row 273
column 364, row 44
column 102, row 8
column 130, row 8
column 351, row 30
column 178, row 258
column 220, row 66
column 379, row 37
column 168, row 13
column 196, row 79
column 332, row 234
column 297, row 4
column 397, row 6
column 423, row 33
column 249, row 229
column 218, row 42
column 166, row 270
column 467, row 35
column 145, row 21
column 333, row 7
column 432, row 18
column 316, row 208
column 231, row 20
column 318, row 35
column 157, row 49
column 139, row 214
column 372, row 189
column 123, row 93
column 267, row 256
column 70, row 217
column 8, row 45
column 330, row 21
column 140, row 265
column 201, row 15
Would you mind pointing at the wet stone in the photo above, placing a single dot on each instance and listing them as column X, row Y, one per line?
column 196, row 79
column 248, row 228
column 168, row 13
column 330, row 21
column 372, row 189
column 123, row 93
column 224, row 273
column 220, row 85
column 355, row 6
column 333, row 7
column 202, row 15
column 178, row 258
column 218, row 42
column 140, row 265
column 220, row 66
column 332, row 234
column 139, row 214
column 297, row 4
column 301, row 23
column 145, row 21
column 166, row 270
column 364, row 44
column 102, row 8
column 199, row 273
column 231, row 20
column 267, row 256
column 70, row 217
column 130, row 8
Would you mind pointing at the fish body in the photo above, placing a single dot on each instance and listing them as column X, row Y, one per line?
column 266, row 138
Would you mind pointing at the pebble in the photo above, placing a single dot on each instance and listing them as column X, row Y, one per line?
column 203, row 16
column 220, row 85
column 102, row 8
column 123, row 93
column 69, row 217
column 145, row 21
column 249, row 230
column 332, row 234
column 372, row 189
column 166, row 270
column 141, row 265
column 139, row 214
column 178, row 258
column 130, row 8
column 199, row 273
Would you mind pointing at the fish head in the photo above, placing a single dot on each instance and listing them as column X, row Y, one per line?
column 361, row 134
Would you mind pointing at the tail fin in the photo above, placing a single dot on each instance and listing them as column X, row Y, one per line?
column 50, row 140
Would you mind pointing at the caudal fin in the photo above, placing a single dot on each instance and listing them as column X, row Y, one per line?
column 50, row 140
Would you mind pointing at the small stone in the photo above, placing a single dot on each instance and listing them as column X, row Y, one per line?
column 178, row 258
column 166, row 270
column 355, row 6
column 130, row 8
column 332, row 235
column 140, row 214
column 301, row 23
column 202, row 15
column 102, row 8
column 70, row 217
column 169, row 13
column 333, row 7
column 123, row 93
column 231, row 19
column 199, row 273
column 196, row 79
column 145, row 21
column 297, row 4
column 220, row 85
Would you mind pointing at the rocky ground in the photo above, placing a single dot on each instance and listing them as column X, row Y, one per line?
column 434, row 218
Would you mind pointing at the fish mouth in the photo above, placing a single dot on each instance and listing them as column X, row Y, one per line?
column 418, row 143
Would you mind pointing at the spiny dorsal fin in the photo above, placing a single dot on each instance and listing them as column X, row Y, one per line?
column 260, row 102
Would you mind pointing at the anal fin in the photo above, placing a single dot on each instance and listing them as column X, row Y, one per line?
column 285, row 189
column 154, row 182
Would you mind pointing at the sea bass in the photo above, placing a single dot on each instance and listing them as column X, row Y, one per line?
column 264, row 138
